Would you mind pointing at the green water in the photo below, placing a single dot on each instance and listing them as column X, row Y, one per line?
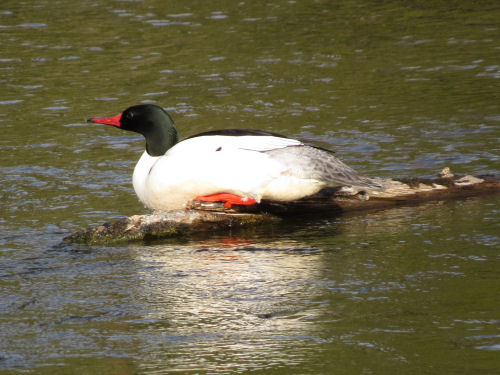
column 396, row 88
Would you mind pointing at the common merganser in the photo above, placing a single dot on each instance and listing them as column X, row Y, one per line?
column 234, row 166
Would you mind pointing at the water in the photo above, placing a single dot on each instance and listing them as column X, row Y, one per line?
column 396, row 89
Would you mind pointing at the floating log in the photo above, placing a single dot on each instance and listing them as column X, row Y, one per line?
column 165, row 224
column 213, row 216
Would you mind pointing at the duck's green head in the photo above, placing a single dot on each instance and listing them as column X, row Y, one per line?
column 150, row 120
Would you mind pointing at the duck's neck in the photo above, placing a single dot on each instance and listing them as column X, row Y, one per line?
column 160, row 137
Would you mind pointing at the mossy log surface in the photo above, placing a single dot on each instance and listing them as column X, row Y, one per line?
column 165, row 224
column 209, row 217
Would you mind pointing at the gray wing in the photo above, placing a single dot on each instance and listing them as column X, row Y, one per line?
column 312, row 163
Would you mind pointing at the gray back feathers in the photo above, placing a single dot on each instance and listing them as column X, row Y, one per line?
column 312, row 163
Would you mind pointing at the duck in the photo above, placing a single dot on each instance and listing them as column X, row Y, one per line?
column 230, row 166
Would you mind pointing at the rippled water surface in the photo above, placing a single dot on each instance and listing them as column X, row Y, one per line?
column 396, row 88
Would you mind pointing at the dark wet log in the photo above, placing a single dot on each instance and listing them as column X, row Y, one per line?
column 165, row 224
column 210, row 217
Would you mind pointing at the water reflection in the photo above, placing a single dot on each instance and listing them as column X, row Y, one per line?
column 230, row 301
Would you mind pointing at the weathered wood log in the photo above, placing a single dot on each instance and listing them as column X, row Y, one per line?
column 209, row 216
column 165, row 224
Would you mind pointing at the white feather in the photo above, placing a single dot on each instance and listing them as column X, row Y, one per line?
column 214, row 164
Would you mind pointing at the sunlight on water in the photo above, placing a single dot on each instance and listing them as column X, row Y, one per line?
column 394, row 90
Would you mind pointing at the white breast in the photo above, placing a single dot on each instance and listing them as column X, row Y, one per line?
column 207, row 165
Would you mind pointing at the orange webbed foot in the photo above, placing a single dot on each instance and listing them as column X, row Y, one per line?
column 227, row 198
